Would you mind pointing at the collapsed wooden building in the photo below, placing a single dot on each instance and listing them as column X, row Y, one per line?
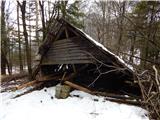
column 69, row 54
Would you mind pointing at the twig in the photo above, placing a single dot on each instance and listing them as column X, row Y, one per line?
column 103, row 74
column 156, row 77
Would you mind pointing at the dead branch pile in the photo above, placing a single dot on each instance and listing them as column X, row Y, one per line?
column 10, row 82
column 149, row 83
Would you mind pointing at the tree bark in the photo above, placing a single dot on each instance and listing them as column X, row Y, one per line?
column 37, row 18
column 23, row 10
column 133, row 39
column 43, row 18
column 30, row 38
column 121, row 25
column 19, row 42
column 3, row 64
column 3, row 42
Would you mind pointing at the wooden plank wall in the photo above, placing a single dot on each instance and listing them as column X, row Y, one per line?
column 67, row 52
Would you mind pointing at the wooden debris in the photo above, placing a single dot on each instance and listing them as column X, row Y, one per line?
column 67, row 79
column 49, row 77
column 30, row 90
column 128, row 102
column 117, row 96
column 31, row 83
column 73, row 85
column 8, row 78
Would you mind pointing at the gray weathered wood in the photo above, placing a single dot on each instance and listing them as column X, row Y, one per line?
column 66, row 51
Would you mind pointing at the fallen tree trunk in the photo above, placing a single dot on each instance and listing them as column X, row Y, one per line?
column 128, row 102
column 113, row 95
column 31, row 83
column 30, row 90
column 8, row 78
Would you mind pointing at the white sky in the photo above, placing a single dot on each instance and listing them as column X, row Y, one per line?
column 11, row 8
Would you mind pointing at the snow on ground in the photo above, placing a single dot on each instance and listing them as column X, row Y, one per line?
column 39, row 105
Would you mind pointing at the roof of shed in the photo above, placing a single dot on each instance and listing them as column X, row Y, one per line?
column 102, row 47
column 83, row 34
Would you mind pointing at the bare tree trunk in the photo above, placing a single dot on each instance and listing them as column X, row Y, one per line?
column 132, row 47
column 19, row 42
column 4, row 59
column 107, row 41
column 3, row 64
column 43, row 18
column 49, row 15
column 145, row 49
column 37, row 36
column 3, row 42
column 121, row 25
column 103, row 20
column 23, row 10
column 9, row 56
column 30, row 39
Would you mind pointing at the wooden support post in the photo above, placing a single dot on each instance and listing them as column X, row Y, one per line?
column 73, row 85
column 74, row 68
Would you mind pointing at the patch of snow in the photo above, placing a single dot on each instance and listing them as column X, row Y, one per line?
column 137, row 61
column 42, row 105
column 10, row 94
column 16, row 70
column 104, row 48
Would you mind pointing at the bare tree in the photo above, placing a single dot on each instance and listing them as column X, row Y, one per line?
column 41, row 4
column 28, row 55
column 4, row 42
column 19, row 41
column 37, row 19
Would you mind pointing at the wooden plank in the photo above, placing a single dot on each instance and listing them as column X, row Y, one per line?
column 49, row 77
column 54, row 58
column 67, row 62
column 71, row 38
column 67, row 55
column 62, row 44
column 72, row 53
column 62, row 53
column 64, row 41
column 67, row 45
column 76, row 86
column 67, row 49
column 26, row 85
column 68, row 59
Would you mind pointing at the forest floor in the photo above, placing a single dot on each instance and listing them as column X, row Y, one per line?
column 42, row 105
